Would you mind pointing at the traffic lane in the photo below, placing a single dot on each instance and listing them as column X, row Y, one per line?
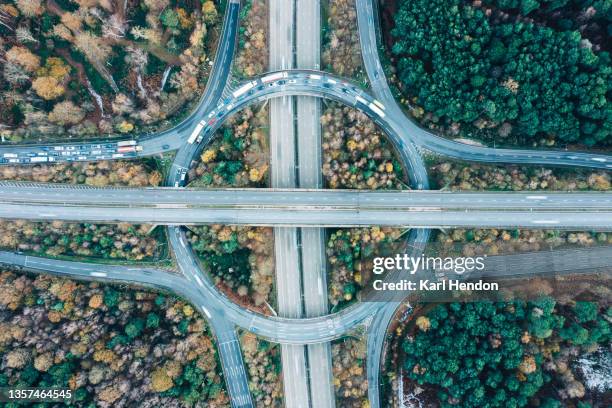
column 82, row 195
column 321, row 217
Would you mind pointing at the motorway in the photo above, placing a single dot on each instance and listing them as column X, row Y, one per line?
column 283, row 175
column 200, row 291
column 389, row 118
column 402, row 132
column 194, row 285
column 209, row 300
column 309, row 158
column 286, row 207
column 167, row 198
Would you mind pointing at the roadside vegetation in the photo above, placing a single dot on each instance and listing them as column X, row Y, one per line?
column 252, row 54
column 462, row 176
column 350, row 252
column 500, row 241
column 86, row 241
column 240, row 259
column 349, row 372
column 263, row 364
column 238, row 155
column 84, row 68
column 341, row 51
column 134, row 173
column 545, row 352
column 505, row 71
column 113, row 347
column 356, row 155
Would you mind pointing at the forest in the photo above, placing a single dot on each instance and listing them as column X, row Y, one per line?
column 114, row 347
column 513, row 72
column 500, row 241
column 239, row 258
column 238, row 155
column 89, row 67
column 86, row 241
column 349, row 258
column 508, row 354
column 134, row 173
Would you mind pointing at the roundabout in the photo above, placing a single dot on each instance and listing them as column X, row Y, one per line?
column 273, row 85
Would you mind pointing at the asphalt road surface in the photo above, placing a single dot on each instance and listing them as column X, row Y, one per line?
column 418, row 209
column 539, row 210
column 309, row 154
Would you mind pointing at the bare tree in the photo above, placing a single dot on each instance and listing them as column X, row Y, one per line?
column 30, row 8
column 15, row 74
column 23, row 35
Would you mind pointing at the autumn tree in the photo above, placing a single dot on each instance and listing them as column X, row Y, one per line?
column 94, row 48
column 23, row 57
column 209, row 12
column 48, row 87
column 30, row 8
column 66, row 113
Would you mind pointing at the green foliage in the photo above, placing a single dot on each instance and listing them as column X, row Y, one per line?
column 194, row 385
column 29, row 375
column 80, row 394
column 183, row 327
column 551, row 403
column 109, row 326
column 575, row 334
column 586, row 311
column 462, row 67
column 118, row 339
column 134, row 328
column 169, row 18
column 160, row 300
column 60, row 374
column 457, row 353
column 152, row 321
column 527, row 6
column 111, row 297
column 474, row 353
column 227, row 260
column 541, row 319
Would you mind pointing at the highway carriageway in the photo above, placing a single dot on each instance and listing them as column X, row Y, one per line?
column 306, row 207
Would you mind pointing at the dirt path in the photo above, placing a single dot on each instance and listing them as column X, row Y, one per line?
column 96, row 116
